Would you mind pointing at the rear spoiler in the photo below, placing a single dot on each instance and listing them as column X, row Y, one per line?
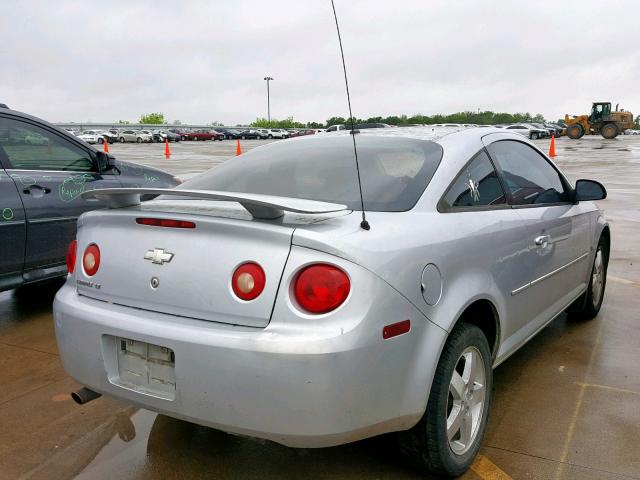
column 258, row 205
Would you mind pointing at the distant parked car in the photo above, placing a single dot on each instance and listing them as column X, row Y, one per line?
column 108, row 136
column 162, row 135
column 43, row 172
column 248, row 134
column 545, row 130
column 183, row 133
column 91, row 136
column 527, row 131
column 133, row 136
column 276, row 133
column 203, row 135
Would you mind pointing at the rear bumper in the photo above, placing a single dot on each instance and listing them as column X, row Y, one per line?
column 325, row 387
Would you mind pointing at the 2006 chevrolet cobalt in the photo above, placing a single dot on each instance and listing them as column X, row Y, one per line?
column 250, row 299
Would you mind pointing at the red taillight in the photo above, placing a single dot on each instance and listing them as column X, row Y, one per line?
column 248, row 281
column 165, row 222
column 91, row 260
column 321, row 288
column 71, row 256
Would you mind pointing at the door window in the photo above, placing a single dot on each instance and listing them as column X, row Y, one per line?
column 529, row 177
column 476, row 186
column 29, row 147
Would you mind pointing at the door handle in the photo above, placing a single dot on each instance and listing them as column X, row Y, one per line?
column 36, row 189
column 542, row 241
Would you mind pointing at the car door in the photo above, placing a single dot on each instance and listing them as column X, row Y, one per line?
column 488, row 226
column 49, row 176
column 558, row 229
column 13, row 231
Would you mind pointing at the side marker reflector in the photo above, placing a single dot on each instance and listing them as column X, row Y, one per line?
column 396, row 329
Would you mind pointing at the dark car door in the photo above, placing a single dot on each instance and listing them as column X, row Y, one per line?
column 50, row 172
column 12, row 232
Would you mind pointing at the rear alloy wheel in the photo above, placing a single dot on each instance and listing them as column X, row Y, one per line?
column 589, row 304
column 121, row 139
column 447, row 438
column 139, row 140
column 100, row 140
column 609, row 131
column 575, row 131
column 534, row 136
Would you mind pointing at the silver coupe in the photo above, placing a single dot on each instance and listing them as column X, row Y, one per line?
column 249, row 298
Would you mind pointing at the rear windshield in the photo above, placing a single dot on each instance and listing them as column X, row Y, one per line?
column 394, row 171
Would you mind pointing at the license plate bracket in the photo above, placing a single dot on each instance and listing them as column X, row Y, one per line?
column 145, row 367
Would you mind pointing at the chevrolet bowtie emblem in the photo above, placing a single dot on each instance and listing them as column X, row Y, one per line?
column 159, row 256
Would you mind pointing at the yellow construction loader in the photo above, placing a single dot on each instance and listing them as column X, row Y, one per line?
column 601, row 121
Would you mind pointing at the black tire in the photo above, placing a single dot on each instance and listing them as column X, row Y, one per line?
column 575, row 131
column 100, row 140
column 138, row 140
column 270, row 136
column 121, row 139
column 533, row 136
column 426, row 444
column 588, row 306
column 243, row 137
column 609, row 131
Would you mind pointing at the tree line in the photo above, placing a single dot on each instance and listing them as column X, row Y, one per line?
column 479, row 118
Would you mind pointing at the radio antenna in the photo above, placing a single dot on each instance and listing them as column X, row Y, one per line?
column 363, row 224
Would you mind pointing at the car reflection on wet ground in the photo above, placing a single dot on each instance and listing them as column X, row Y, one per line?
column 566, row 406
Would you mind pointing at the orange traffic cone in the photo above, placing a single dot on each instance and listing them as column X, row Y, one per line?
column 105, row 145
column 167, row 151
column 238, row 149
column 552, row 147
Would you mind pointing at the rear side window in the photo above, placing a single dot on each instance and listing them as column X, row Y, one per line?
column 29, row 147
column 394, row 171
column 529, row 177
column 477, row 185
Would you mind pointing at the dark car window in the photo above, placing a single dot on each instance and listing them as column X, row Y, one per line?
column 29, row 147
column 394, row 171
column 477, row 185
column 530, row 178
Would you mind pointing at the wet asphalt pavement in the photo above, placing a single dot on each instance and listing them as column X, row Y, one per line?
column 566, row 406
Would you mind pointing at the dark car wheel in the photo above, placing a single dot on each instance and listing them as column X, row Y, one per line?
column 589, row 304
column 121, row 139
column 100, row 140
column 447, row 438
column 138, row 140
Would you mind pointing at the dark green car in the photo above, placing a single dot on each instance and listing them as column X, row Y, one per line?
column 43, row 171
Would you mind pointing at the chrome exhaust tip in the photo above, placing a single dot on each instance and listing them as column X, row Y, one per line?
column 84, row 395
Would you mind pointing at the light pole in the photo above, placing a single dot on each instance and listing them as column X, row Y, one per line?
column 268, row 79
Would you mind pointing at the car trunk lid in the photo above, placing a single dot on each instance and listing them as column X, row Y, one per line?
column 182, row 271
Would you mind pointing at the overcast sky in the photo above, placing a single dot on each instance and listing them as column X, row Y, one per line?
column 204, row 61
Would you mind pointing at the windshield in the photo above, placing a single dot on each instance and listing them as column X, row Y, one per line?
column 394, row 171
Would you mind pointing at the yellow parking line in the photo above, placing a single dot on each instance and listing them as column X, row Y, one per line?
column 576, row 411
column 487, row 470
column 623, row 280
column 607, row 387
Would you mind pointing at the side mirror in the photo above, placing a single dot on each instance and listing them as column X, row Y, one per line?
column 105, row 161
column 589, row 190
